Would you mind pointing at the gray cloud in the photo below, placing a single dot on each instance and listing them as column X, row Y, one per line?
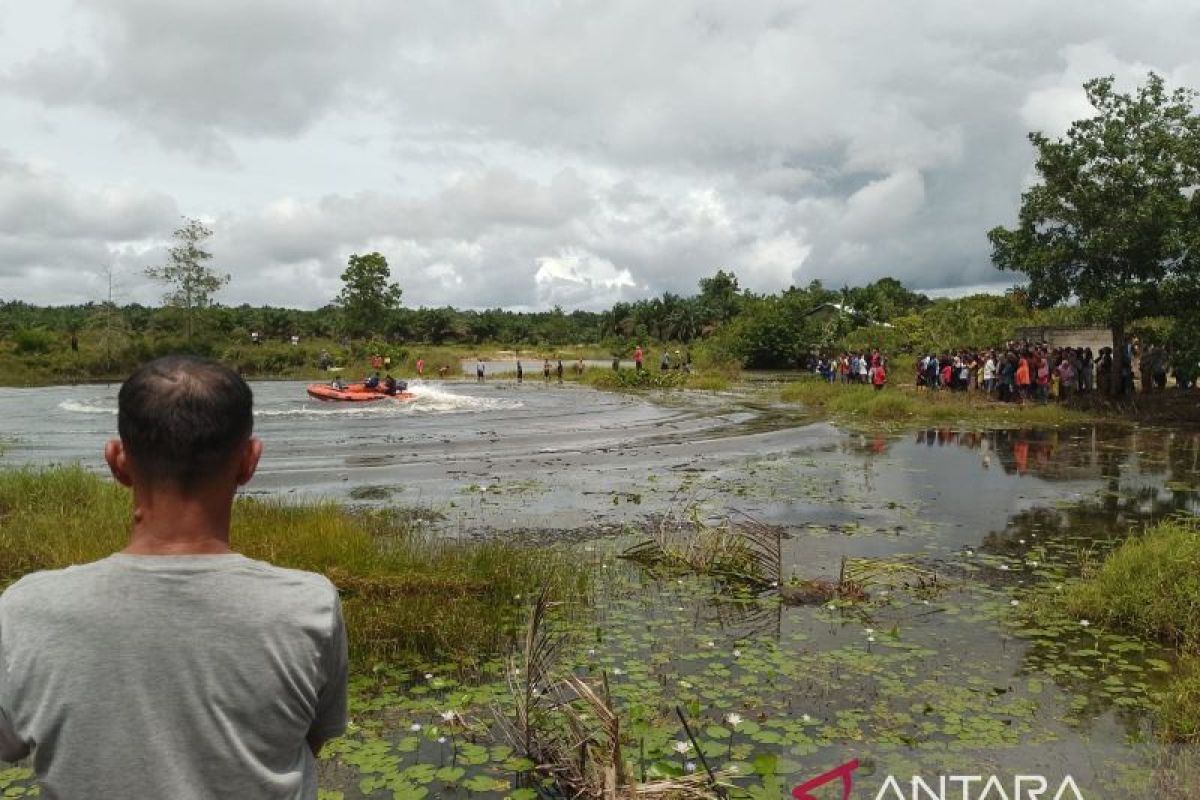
column 570, row 153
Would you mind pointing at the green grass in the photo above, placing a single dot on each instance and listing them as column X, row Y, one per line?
column 628, row 380
column 1149, row 587
column 856, row 403
column 406, row 594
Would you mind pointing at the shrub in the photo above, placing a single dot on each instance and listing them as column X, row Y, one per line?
column 33, row 341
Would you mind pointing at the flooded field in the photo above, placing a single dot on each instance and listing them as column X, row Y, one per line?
column 940, row 671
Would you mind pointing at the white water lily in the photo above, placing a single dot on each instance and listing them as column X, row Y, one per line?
column 737, row 653
column 805, row 718
column 416, row 726
column 1015, row 603
column 441, row 740
column 428, row 676
column 685, row 684
column 924, row 602
column 681, row 747
column 448, row 716
column 831, row 607
column 592, row 652
column 1084, row 623
column 734, row 719
column 618, row 671
column 690, row 766
column 1020, row 541
column 1004, row 567
column 711, row 643
column 870, row 638
column 1033, row 563
column 870, row 631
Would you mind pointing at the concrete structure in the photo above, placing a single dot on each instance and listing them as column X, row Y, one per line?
column 1094, row 337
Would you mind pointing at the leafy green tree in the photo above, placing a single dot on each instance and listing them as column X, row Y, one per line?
column 191, row 282
column 1114, row 217
column 719, row 297
column 367, row 300
column 436, row 325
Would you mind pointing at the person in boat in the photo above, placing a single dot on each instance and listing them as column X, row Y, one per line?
column 372, row 383
column 337, row 385
column 389, row 384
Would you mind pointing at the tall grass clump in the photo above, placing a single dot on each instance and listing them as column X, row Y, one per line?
column 1149, row 587
column 407, row 594
column 901, row 403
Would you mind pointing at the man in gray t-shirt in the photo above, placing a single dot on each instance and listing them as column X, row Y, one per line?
column 175, row 669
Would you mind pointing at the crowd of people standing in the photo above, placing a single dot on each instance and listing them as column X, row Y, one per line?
column 1019, row 371
column 866, row 368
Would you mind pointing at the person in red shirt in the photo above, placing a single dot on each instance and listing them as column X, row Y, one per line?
column 879, row 375
column 637, row 358
column 420, row 367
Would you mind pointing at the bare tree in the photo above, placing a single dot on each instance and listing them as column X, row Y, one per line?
column 191, row 282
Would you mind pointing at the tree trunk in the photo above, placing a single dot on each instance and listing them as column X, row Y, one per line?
column 1116, row 378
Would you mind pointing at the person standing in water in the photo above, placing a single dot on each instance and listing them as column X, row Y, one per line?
column 546, row 370
column 560, row 370
column 479, row 371
column 520, row 372
column 176, row 668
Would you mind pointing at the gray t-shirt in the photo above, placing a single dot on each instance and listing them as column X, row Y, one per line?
column 173, row 677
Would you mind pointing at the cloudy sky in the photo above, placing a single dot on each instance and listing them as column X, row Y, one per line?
column 538, row 152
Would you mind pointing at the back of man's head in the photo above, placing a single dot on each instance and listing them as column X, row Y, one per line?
column 182, row 419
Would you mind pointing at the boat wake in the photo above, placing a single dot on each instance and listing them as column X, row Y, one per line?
column 429, row 399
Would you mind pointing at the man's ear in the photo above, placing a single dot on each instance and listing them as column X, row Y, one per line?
column 249, row 462
column 118, row 462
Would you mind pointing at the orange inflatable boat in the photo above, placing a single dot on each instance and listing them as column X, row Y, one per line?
column 353, row 393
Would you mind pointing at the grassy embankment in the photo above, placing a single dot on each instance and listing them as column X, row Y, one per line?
column 1149, row 588
column 407, row 595
column 900, row 404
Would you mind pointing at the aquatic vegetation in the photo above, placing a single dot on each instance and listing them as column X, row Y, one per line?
column 371, row 492
column 407, row 593
column 651, row 379
column 748, row 552
column 1150, row 586
column 570, row 729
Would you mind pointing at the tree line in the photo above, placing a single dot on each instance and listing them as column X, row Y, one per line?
column 1109, row 234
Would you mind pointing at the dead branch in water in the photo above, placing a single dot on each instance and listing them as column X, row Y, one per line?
column 570, row 729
